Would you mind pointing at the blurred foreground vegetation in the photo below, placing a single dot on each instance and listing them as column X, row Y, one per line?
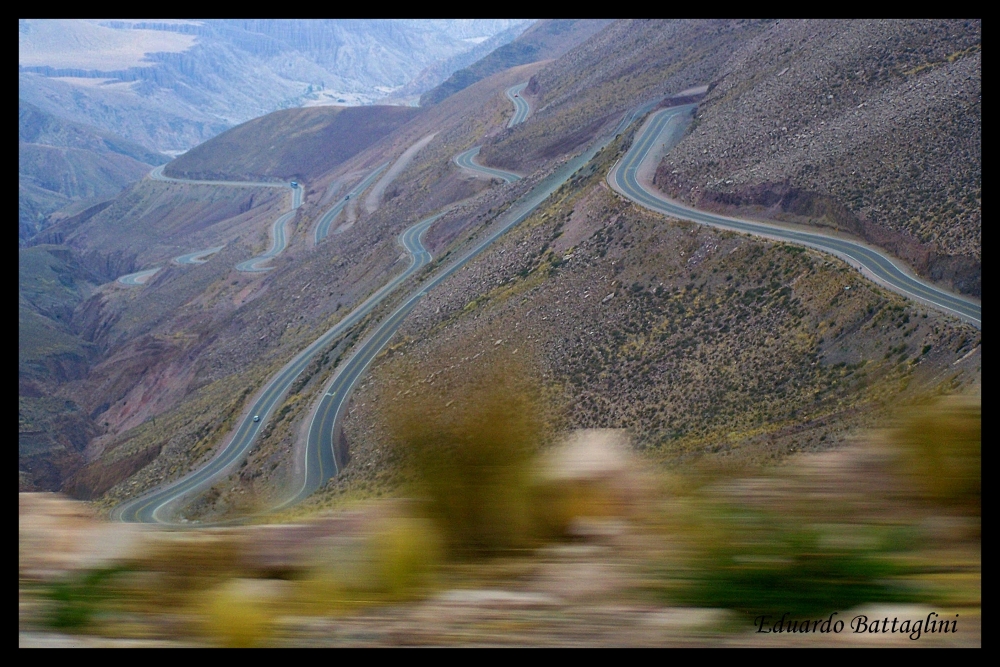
column 894, row 518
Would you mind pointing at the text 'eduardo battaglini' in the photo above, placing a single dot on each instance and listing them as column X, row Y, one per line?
column 915, row 628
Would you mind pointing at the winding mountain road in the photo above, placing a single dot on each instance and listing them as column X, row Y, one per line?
column 158, row 175
column 521, row 108
column 199, row 256
column 278, row 242
column 320, row 455
column 251, row 265
column 157, row 506
column 278, row 245
column 319, row 461
column 138, row 278
column 464, row 160
column 666, row 126
column 323, row 226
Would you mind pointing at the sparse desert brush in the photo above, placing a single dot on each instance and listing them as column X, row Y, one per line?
column 405, row 553
column 396, row 560
column 188, row 562
column 558, row 506
column 754, row 541
column 467, row 440
column 938, row 448
column 193, row 553
column 758, row 546
column 238, row 613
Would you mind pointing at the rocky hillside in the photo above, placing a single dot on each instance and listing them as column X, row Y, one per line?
column 591, row 86
column 52, row 429
column 871, row 127
column 698, row 342
column 60, row 162
column 185, row 349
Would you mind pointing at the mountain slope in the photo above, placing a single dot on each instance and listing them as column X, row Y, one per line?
column 294, row 143
column 60, row 161
column 871, row 127
column 591, row 86
column 52, row 431
column 547, row 39
column 701, row 343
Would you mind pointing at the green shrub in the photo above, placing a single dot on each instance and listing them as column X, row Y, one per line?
column 758, row 563
column 75, row 600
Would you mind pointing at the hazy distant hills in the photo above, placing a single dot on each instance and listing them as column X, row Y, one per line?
column 171, row 85
column 439, row 71
column 60, row 162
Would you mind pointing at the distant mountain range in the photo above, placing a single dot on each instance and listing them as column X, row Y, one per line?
column 170, row 85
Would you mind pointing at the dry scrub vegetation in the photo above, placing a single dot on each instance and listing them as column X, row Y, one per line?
column 641, row 556
column 696, row 341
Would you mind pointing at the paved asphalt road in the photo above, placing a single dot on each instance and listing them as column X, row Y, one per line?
column 521, row 108
column 278, row 245
column 464, row 160
column 277, row 231
column 198, row 257
column 157, row 175
column 159, row 505
column 320, row 461
column 137, row 278
column 323, row 226
column 278, row 242
column 666, row 125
